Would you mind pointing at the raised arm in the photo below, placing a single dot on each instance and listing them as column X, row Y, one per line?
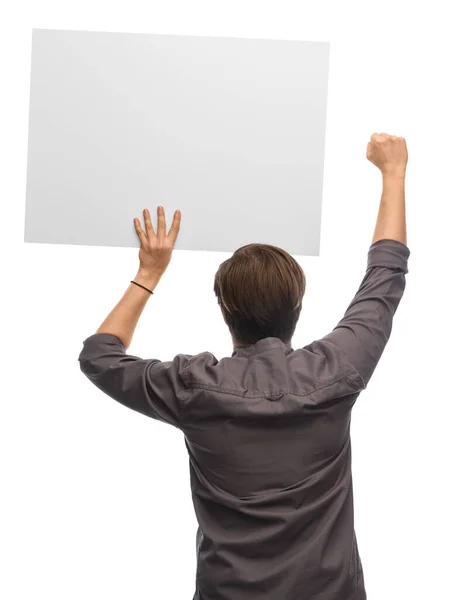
column 363, row 332
column 390, row 155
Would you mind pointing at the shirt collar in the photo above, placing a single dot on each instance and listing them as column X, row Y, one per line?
column 262, row 346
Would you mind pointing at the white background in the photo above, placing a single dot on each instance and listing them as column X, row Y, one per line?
column 95, row 499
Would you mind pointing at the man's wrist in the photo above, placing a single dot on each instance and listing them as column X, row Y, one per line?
column 149, row 279
column 394, row 174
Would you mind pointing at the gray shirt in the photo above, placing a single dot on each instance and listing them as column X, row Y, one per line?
column 268, row 436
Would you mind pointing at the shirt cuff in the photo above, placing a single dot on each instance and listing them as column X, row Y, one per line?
column 390, row 254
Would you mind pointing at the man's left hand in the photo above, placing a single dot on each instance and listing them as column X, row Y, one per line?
column 156, row 248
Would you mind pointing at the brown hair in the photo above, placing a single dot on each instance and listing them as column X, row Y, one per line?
column 260, row 289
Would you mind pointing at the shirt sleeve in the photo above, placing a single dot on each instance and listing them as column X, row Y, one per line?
column 148, row 386
column 363, row 332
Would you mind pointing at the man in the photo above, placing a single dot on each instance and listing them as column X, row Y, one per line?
column 267, row 429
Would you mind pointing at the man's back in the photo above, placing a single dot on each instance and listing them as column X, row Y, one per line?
column 270, row 472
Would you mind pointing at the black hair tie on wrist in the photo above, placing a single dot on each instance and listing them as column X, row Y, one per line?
column 142, row 286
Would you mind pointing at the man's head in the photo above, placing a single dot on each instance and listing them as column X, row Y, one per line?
column 260, row 290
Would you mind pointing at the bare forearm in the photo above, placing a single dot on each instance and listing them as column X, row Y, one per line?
column 391, row 219
column 123, row 319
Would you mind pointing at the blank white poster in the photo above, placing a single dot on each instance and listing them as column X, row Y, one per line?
column 231, row 131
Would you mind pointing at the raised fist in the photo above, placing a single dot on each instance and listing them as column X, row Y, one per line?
column 388, row 152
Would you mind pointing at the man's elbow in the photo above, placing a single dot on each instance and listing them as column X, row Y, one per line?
column 88, row 365
column 85, row 367
column 89, row 359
